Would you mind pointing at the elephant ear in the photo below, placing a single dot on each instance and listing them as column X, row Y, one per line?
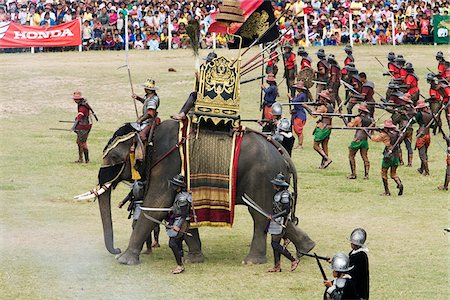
column 110, row 173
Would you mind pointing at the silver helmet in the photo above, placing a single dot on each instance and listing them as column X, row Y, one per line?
column 138, row 189
column 358, row 237
column 340, row 263
column 277, row 109
column 285, row 125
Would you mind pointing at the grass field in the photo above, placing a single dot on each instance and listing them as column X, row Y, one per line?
column 52, row 247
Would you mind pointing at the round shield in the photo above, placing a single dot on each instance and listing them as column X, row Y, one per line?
column 307, row 76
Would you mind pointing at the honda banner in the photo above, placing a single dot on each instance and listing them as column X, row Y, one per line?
column 13, row 35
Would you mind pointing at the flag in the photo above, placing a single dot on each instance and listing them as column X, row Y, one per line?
column 258, row 18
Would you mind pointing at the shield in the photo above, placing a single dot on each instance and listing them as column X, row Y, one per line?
column 307, row 76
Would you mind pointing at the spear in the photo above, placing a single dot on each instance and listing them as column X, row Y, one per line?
column 60, row 129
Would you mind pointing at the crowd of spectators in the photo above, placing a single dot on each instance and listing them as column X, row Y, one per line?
column 153, row 22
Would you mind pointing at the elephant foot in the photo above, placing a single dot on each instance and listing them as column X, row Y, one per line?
column 194, row 258
column 254, row 260
column 129, row 257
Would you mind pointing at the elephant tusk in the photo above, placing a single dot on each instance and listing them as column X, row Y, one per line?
column 94, row 193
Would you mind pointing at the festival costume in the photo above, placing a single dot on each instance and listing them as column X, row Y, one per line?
column 335, row 83
column 323, row 74
column 360, row 272
column 280, row 212
column 322, row 132
column 290, row 68
column 82, row 126
column 423, row 138
column 272, row 67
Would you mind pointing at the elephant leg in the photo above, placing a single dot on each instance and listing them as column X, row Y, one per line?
column 137, row 240
column 299, row 238
column 258, row 247
column 194, row 244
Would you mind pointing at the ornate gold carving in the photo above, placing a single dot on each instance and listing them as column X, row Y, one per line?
column 256, row 25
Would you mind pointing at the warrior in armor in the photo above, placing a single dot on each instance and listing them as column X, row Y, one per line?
column 269, row 125
column 357, row 84
column 323, row 72
column 82, row 126
column 136, row 198
column 446, row 75
column 190, row 101
column 367, row 92
column 423, row 139
column 435, row 99
column 360, row 141
column 281, row 210
column 349, row 59
column 400, row 117
column 149, row 109
column 179, row 220
column 290, row 67
column 390, row 137
column 441, row 64
column 322, row 132
column 342, row 287
column 412, row 82
column 360, row 262
column 394, row 70
column 306, row 60
column 283, row 134
column 335, row 81
column 270, row 95
column 272, row 67
column 347, row 76
column 298, row 112
column 444, row 90
column 444, row 187
column 400, row 62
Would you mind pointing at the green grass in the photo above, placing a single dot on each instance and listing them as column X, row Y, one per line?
column 52, row 247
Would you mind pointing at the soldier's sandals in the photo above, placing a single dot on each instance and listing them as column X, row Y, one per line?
column 274, row 270
column 178, row 270
column 327, row 163
column 352, row 176
column 442, row 188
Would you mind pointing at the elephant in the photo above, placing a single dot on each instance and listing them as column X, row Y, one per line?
column 259, row 161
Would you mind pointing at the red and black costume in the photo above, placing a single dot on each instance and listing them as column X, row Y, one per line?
column 82, row 127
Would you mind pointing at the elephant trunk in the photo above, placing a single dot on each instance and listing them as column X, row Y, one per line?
column 104, row 203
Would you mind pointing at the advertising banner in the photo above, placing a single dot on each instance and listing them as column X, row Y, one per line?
column 441, row 26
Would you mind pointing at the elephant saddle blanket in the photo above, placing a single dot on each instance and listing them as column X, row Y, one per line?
column 209, row 160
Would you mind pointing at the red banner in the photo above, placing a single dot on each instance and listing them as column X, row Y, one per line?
column 13, row 35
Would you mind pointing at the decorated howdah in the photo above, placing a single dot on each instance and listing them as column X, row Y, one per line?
column 218, row 96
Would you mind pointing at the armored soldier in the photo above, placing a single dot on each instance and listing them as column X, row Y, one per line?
column 394, row 70
column 298, row 112
column 400, row 62
column 359, row 142
column 342, row 287
column 283, row 134
column 400, row 117
column 360, row 262
column 149, row 116
column 393, row 91
column 322, row 132
column 390, row 136
column 190, row 101
column 281, row 209
column 350, row 71
column 306, row 60
column 444, row 90
column 136, row 198
column 335, row 81
column 270, row 95
column 269, row 125
column 179, row 220
column 446, row 75
column 357, row 84
column 272, row 67
column 441, row 64
column 349, row 59
column 444, row 187
column 423, row 139
column 82, row 126
column 290, row 67
column 323, row 72
column 435, row 99
column 367, row 92
column 412, row 82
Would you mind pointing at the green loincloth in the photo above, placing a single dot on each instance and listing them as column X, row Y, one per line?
column 363, row 144
column 390, row 162
column 321, row 134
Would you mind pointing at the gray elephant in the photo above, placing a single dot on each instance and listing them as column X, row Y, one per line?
column 259, row 161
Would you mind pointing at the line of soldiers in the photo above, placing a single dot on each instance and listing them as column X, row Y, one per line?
column 402, row 102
